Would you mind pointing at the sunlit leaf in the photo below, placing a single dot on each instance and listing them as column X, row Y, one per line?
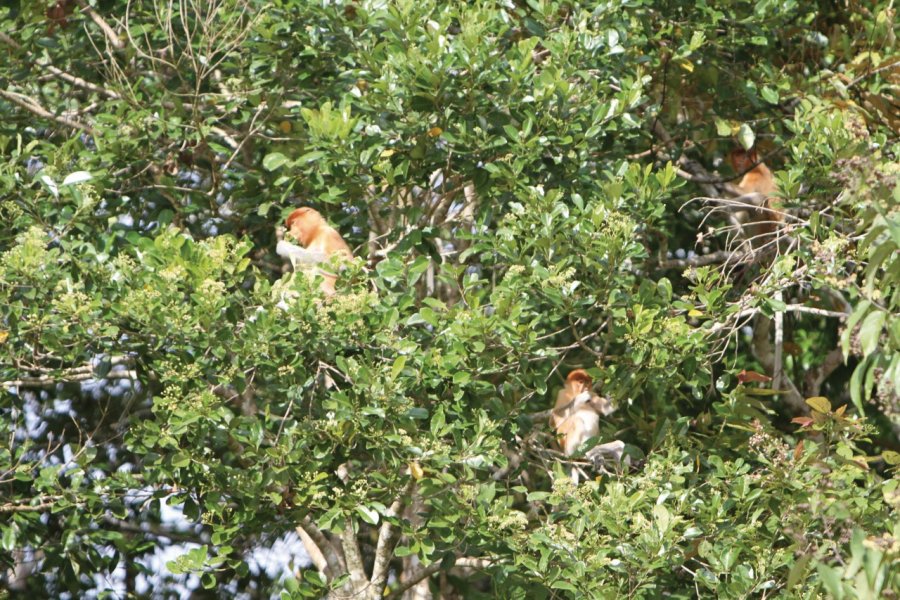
column 819, row 403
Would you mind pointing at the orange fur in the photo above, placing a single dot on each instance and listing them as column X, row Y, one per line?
column 574, row 417
column 762, row 221
column 309, row 228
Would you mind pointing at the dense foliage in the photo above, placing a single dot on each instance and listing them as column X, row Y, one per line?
column 529, row 187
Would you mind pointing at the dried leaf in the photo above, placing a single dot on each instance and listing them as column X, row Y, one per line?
column 746, row 376
column 798, row 451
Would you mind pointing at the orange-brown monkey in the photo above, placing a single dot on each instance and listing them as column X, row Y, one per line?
column 576, row 414
column 320, row 240
column 762, row 221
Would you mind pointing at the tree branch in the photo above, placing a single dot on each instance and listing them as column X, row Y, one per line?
column 315, row 553
column 12, row 507
column 762, row 349
column 778, row 356
column 335, row 562
column 108, row 31
column 74, row 374
column 387, row 538
column 475, row 563
column 352, row 555
column 59, row 73
column 33, row 107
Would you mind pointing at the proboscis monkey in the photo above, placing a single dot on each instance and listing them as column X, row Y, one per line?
column 320, row 241
column 576, row 415
column 762, row 221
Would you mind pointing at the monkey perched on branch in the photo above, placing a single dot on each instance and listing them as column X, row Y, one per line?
column 576, row 415
column 319, row 242
column 763, row 214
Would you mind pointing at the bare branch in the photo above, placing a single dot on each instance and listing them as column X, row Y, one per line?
column 74, row 374
column 335, row 561
column 33, row 107
column 778, row 357
column 251, row 130
column 108, row 31
column 387, row 538
column 873, row 72
column 542, row 416
column 762, row 349
column 353, row 557
column 315, row 553
column 12, row 507
column 798, row 308
column 59, row 73
column 227, row 137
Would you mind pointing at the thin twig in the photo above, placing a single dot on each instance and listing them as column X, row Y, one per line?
column 59, row 73
column 108, row 31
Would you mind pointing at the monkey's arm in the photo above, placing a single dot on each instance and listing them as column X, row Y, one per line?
column 602, row 405
column 298, row 255
column 564, row 409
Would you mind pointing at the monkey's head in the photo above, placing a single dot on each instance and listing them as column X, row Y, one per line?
column 579, row 380
column 742, row 160
column 303, row 224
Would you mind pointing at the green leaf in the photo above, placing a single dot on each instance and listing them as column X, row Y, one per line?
column 831, row 579
column 564, row 585
column 856, row 385
column 858, row 313
column 745, row 136
column 398, row 365
column 314, row 577
column 208, row 580
column 870, row 331
column 723, row 128
column 307, row 158
column 368, row 515
column 770, row 95
column 461, row 378
column 77, row 177
column 274, row 160
column 891, row 457
column 798, row 571
column 8, row 538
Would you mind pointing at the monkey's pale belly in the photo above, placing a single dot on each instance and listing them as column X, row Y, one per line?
column 590, row 422
column 588, row 425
